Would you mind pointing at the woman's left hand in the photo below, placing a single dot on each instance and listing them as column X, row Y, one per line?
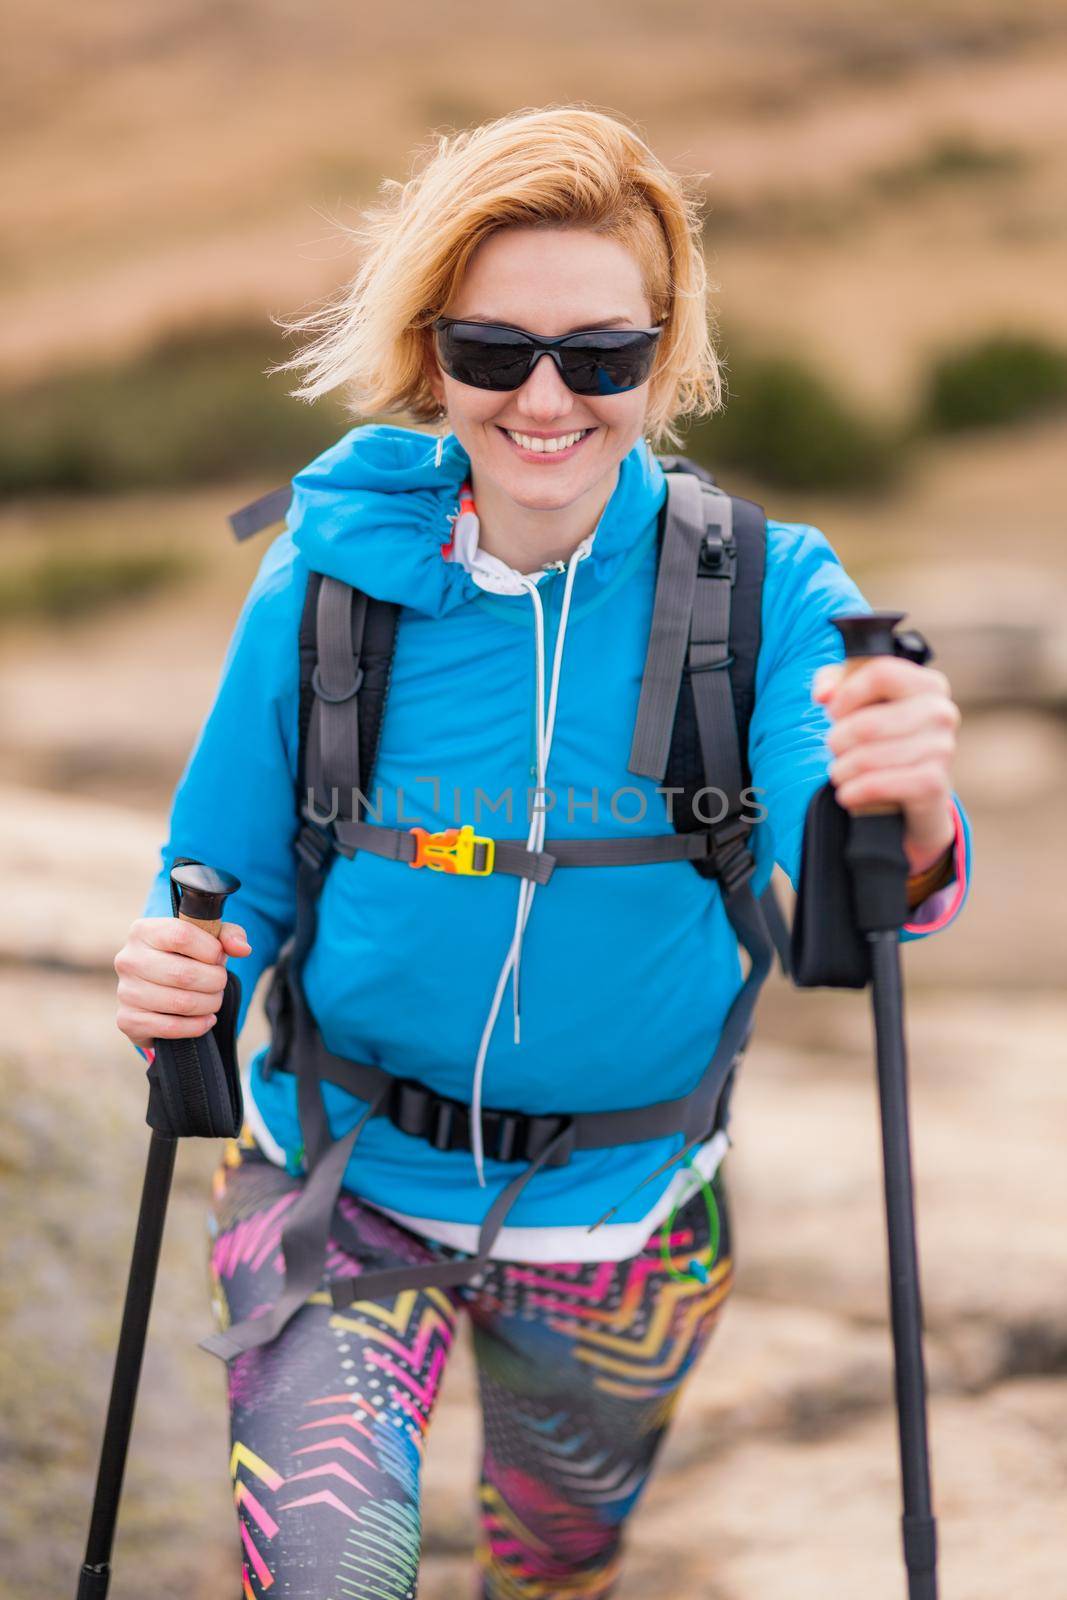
column 894, row 737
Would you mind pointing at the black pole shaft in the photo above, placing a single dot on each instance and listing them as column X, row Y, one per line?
column 918, row 1525
column 96, row 1572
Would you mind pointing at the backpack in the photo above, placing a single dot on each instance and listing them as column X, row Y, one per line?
column 690, row 733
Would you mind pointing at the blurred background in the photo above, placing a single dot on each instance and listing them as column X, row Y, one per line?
column 886, row 226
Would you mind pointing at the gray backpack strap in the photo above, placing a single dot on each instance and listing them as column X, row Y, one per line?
column 332, row 770
column 671, row 619
column 690, row 633
column 691, row 627
column 709, row 652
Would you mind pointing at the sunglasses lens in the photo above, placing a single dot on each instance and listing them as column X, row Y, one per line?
column 486, row 356
column 483, row 356
column 607, row 362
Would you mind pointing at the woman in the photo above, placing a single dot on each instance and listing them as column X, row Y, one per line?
column 521, row 546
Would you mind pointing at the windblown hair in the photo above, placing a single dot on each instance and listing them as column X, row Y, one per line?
column 559, row 166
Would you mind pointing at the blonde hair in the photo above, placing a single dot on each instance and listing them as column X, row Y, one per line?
column 559, row 166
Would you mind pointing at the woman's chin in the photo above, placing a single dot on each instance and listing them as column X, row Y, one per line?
column 541, row 496
column 537, row 486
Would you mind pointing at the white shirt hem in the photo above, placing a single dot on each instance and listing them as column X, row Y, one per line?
column 612, row 1241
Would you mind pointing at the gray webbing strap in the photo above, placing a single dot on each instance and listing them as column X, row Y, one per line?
column 305, row 1234
column 393, row 844
column 708, row 662
column 778, row 928
column 333, row 730
column 648, row 850
column 746, row 918
column 305, row 1237
column 261, row 513
column 399, row 844
column 592, row 1130
column 311, row 1222
column 386, row 1281
column 669, row 634
column 513, row 858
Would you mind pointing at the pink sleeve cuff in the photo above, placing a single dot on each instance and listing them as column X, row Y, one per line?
column 939, row 908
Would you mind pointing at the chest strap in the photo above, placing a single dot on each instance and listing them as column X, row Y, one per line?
column 460, row 850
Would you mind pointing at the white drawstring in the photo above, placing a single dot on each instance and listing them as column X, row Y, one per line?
column 534, row 841
column 527, row 885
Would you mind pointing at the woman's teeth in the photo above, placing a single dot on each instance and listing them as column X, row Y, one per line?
column 547, row 446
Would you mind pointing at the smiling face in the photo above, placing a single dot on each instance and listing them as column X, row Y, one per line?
column 547, row 281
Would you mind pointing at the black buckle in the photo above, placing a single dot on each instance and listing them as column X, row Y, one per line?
column 418, row 1111
column 540, row 1131
column 445, row 1124
column 718, row 556
column 728, row 852
column 500, row 1134
column 408, row 1107
column 520, row 1136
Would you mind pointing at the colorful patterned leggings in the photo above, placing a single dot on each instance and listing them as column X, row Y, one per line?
column 579, row 1368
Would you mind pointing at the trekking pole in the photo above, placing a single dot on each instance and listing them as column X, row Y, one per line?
column 204, row 891
column 878, row 868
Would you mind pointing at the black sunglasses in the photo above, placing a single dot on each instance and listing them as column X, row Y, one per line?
column 491, row 355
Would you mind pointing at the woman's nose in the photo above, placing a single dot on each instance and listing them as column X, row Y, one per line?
column 544, row 395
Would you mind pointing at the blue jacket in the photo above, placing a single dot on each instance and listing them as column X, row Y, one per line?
column 626, row 972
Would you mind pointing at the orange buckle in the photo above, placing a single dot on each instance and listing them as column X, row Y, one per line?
column 452, row 850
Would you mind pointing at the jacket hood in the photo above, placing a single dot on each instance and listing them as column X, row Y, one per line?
column 375, row 509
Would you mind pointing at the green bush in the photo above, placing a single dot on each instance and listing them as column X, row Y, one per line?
column 1001, row 379
column 63, row 583
column 786, row 427
column 195, row 408
column 949, row 158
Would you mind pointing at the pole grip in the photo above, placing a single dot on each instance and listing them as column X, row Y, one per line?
column 852, row 664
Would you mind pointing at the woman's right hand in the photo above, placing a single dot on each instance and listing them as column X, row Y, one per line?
column 172, row 975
